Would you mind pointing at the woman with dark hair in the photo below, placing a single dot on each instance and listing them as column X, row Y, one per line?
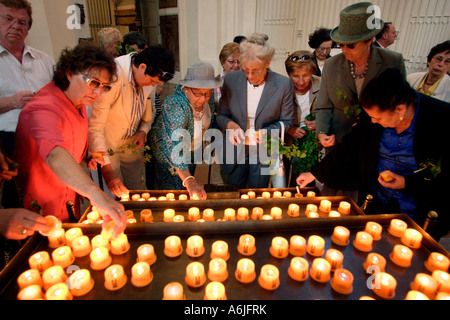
column 52, row 136
column 398, row 156
column 322, row 44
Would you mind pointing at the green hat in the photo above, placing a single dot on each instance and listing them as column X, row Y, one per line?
column 357, row 23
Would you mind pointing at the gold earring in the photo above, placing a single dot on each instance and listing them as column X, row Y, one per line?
column 402, row 118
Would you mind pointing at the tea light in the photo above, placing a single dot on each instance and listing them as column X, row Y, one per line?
column 173, row 291
column 397, row 228
column 33, row 292
column 412, row 238
column 120, row 245
column 293, row 210
column 100, row 258
column 443, row 296
column 218, row 270
column 94, row 216
column 340, row 236
column 108, row 230
column 279, row 248
column 325, row 206
column 135, row 197
column 315, row 246
column 242, row 214
column 287, row 194
column 320, row 270
column 193, row 214
column 63, row 256
column 342, row 281
column 344, row 208
column 298, row 269
column 437, row 261
column 172, row 246
column 415, row 295
column 269, row 277
column 168, row 215
column 125, row 198
column 80, row 283
column 208, row 215
column 141, row 275
column 335, row 258
column 277, row 194
column 146, row 253
column 251, row 194
column 53, row 275
column 183, row 197
column 195, row 247
column 72, row 234
column 366, row 298
column 59, row 291
column 376, row 261
column 257, row 213
column 363, row 241
column 145, row 196
column 55, row 225
column 40, row 261
column 312, row 214
column 215, row 291
column 245, row 196
column 195, row 197
column 266, row 217
column 229, row 214
column 178, row 218
column 57, row 239
column 385, row 285
column 276, row 213
column 219, row 249
column 129, row 214
column 115, row 277
column 310, row 208
column 443, row 280
column 28, row 278
column 146, row 216
column 401, row 256
column 81, row 247
column 266, row 195
column 297, row 246
column 195, row 275
column 245, row 271
column 374, row 229
column 298, row 195
column 246, row 245
column 334, row 214
column 426, row 284
column 99, row 241
column 311, row 194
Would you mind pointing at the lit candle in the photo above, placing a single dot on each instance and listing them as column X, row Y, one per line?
column 443, row 280
column 312, row 214
column 146, row 216
column 129, row 214
column 57, row 239
column 266, row 217
column 297, row 246
column 412, row 238
column 279, row 248
column 125, row 198
column 251, row 194
column 178, row 218
column 315, row 246
column 172, row 247
column 266, row 195
column 298, row 195
column 397, row 228
column 55, row 225
column 195, row 247
column 293, row 210
column 135, row 197
column 401, row 256
column 269, row 277
column 342, row 281
column 168, row 215
column 245, row 271
column 437, row 261
column 208, row 215
column 219, row 249
column 146, row 253
column 33, row 292
column 311, row 194
column 298, row 269
column 115, row 277
column 257, row 213
column 344, row 208
column 335, row 258
column 59, row 291
column 310, row 208
column 120, row 245
column 218, row 270
column 141, row 275
column 320, row 270
column 442, row 296
column 63, row 256
column 246, row 245
column 81, row 246
column 94, row 216
column 215, row 291
column 154, row 199
column 183, row 197
column 72, row 234
column 385, row 285
column 99, row 241
column 376, row 261
column 40, row 261
column 28, row 278
column 100, row 258
column 363, row 241
column 334, row 214
column 245, row 196
column 173, row 291
column 374, row 229
column 53, row 275
column 145, row 196
column 276, row 213
column 242, row 214
column 426, row 284
column 80, row 283
column 193, row 214
column 415, row 295
column 229, row 214
column 108, row 230
column 340, row 236
column 195, row 275
column 325, row 206
column 287, row 194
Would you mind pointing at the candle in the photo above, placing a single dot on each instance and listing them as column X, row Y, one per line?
column 310, row 208
column 257, row 213
column 376, row 263
column 298, row 269
column 342, row 281
column 72, row 234
column 443, row 280
column 297, row 246
column 298, row 195
column 59, row 291
column 276, row 213
column 141, row 274
column 341, row 236
column 242, row 214
column 146, row 253
column 146, row 215
column 251, row 194
column 266, row 195
column 269, row 277
column 195, row 275
column 53, row 275
column 115, row 277
column 40, row 261
column 246, row 245
column 311, row 194
column 172, row 247
column 437, row 261
column 183, row 197
column 63, row 256
column 363, row 241
column 412, row 238
column 277, row 194
column 33, row 292
column 312, row 214
column 245, row 271
column 193, row 214
column 385, row 285
column 287, row 194
column 57, row 239
column 279, row 248
column 55, row 225
column 195, row 247
column 125, row 198
column 335, row 258
column 334, row 214
column 397, row 228
column 215, row 291
column 178, row 218
column 108, row 230
column 344, row 208
column 401, row 256
column 120, row 245
column 99, row 241
column 374, row 229
column 94, row 216
column 100, row 258
column 325, row 206
column 208, row 215
column 245, row 196
column 366, row 298
column 219, row 249
column 173, row 291
column 293, row 210
column 320, row 270
column 135, row 197
column 81, row 246
column 28, row 278
column 168, row 215
column 266, row 217
column 145, row 196
column 229, row 214
column 315, row 246
column 443, row 296
column 426, row 284
column 80, row 283
column 129, row 214
column 218, row 270
column 415, row 295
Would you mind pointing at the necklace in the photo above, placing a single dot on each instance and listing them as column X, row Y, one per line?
column 352, row 71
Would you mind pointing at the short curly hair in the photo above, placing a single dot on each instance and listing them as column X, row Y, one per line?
column 318, row 37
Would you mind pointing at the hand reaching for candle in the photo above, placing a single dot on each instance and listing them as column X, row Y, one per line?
column 305, row 178
column 17, row 224
column 397, row 182
column 110, row 210
column 196, row 191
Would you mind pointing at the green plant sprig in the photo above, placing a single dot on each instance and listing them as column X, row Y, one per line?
column 131, row 147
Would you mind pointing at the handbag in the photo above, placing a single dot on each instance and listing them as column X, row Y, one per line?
column 279, row 178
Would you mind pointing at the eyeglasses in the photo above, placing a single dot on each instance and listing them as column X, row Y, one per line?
column 232, row 62
column 304, row 58
column 21, row 23
column 199, row 95
column 95, row 84
column 350, row 46
column 254, row 73
column 166, row 76
column 322, row 49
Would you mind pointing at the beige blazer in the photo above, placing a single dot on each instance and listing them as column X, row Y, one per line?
column 442, row 91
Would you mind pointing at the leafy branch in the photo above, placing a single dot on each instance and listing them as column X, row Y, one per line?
column 433, row 166
column 132, row 148
column 350, row 110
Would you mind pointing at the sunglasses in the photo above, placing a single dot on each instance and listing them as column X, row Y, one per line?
column 304, row 58
column 95, row 84
column 166, row 76
column 349, row 46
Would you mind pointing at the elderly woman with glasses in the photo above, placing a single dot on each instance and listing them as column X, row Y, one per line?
column 322, row 44
column 176, row 138
column 52, row 136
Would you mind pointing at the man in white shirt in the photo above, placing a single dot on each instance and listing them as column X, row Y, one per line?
column 23, row 70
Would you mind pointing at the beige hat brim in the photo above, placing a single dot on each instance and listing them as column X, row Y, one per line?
column 202, row 84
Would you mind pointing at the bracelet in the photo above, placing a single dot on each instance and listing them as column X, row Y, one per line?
column 186, row 179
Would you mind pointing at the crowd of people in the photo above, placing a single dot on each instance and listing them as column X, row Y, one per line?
column 98, row 107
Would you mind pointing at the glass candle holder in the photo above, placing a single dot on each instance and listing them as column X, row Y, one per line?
column 120, row 245
column 276, row 213
column 325, row 206
column 81, row 247
column 57, row 239
column 344, row 208
column 412, row 238
column 229, row 214
column 168, row 215
column 374, row 263
column 242, row 214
